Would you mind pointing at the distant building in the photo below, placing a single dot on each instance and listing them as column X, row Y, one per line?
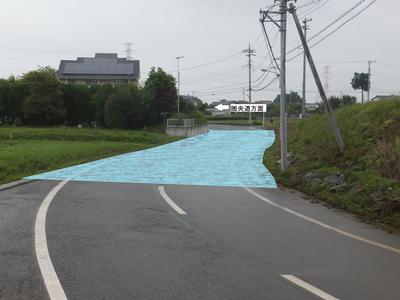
column 216, row 113
column 103, row 68
column 191, row 99
column 268, row 102
column 311, row 106
column 382, row 97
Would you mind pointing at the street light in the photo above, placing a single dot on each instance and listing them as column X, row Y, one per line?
column 178, row 58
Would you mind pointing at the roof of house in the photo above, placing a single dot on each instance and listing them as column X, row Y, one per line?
column 102, row 66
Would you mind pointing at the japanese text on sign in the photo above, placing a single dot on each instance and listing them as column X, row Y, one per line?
column 248, row 108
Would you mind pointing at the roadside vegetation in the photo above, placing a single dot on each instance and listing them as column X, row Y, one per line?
column 38, row 98
column 46, row 124
column 365, row 179
column 27, row 151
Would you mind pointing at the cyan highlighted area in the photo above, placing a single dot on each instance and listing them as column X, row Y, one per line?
column 217, row 158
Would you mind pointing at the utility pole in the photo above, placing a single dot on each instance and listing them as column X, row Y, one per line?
column 266, row 16
column 369, row 78
column 283, row 127
column 331, row 117
column 178, row 58
column 303, row 107
column 249, row 53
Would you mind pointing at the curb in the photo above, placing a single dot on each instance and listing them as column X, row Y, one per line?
column 14, row 184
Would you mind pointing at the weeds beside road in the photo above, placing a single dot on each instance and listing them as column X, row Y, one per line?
column 364, row 180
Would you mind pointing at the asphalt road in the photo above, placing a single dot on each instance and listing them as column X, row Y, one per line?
column 125, row 241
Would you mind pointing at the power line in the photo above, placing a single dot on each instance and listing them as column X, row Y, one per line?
column 335, row 30
column 329, row 25
column 344, row 23
column 309, row 3
column 263, row 20
column 212, row 62
column 268, row 85
column 313, row 9
column 336, row 20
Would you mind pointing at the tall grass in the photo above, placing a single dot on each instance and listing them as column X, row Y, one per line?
column 371, row 162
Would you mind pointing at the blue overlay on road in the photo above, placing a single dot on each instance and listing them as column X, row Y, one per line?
column 217, row 158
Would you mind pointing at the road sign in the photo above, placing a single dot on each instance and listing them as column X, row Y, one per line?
column 222, row 107
column 248, row 108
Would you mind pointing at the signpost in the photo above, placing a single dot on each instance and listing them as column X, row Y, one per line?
column 244, row 108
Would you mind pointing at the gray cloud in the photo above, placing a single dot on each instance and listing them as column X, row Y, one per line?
column 43, row 32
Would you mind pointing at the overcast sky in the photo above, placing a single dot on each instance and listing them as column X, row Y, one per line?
column 42, row 32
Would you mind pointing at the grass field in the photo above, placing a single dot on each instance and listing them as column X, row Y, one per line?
column 27, row 151
column 370, row 165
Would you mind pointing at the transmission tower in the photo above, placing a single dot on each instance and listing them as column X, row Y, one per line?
column 327, row 73
column 128, row 50
column 249, row 53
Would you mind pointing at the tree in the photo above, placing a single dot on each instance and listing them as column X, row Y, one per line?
column 160, row 95
column 124, row 108
column 3, row 101
column 348, row 100
column 360, row 81
column 293, row 105
column 78, row 103
column 100, row 94
column 12, row 94
column 337, row 102
column 45, row 104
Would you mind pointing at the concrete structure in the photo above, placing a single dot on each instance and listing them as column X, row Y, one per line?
column 103, row 68
column 185, row 127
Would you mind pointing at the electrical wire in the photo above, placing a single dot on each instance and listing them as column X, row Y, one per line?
column 332, row 32
column 337, row 19
column 268, row 85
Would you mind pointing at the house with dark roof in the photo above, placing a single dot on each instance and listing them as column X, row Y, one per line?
column 103, row 68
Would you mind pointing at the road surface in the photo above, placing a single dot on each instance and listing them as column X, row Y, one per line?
column 157, row 241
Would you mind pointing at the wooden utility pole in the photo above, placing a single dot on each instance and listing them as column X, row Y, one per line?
column 331, row 117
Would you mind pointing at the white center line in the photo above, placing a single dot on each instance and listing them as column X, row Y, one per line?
column 312, row 289
column 170, row 201
column 51, row 281
column 326, row 226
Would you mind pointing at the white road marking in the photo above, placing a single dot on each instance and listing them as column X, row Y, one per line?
column 312, row 289
column 326, row 226
column 51, row 281
column 170, row 201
